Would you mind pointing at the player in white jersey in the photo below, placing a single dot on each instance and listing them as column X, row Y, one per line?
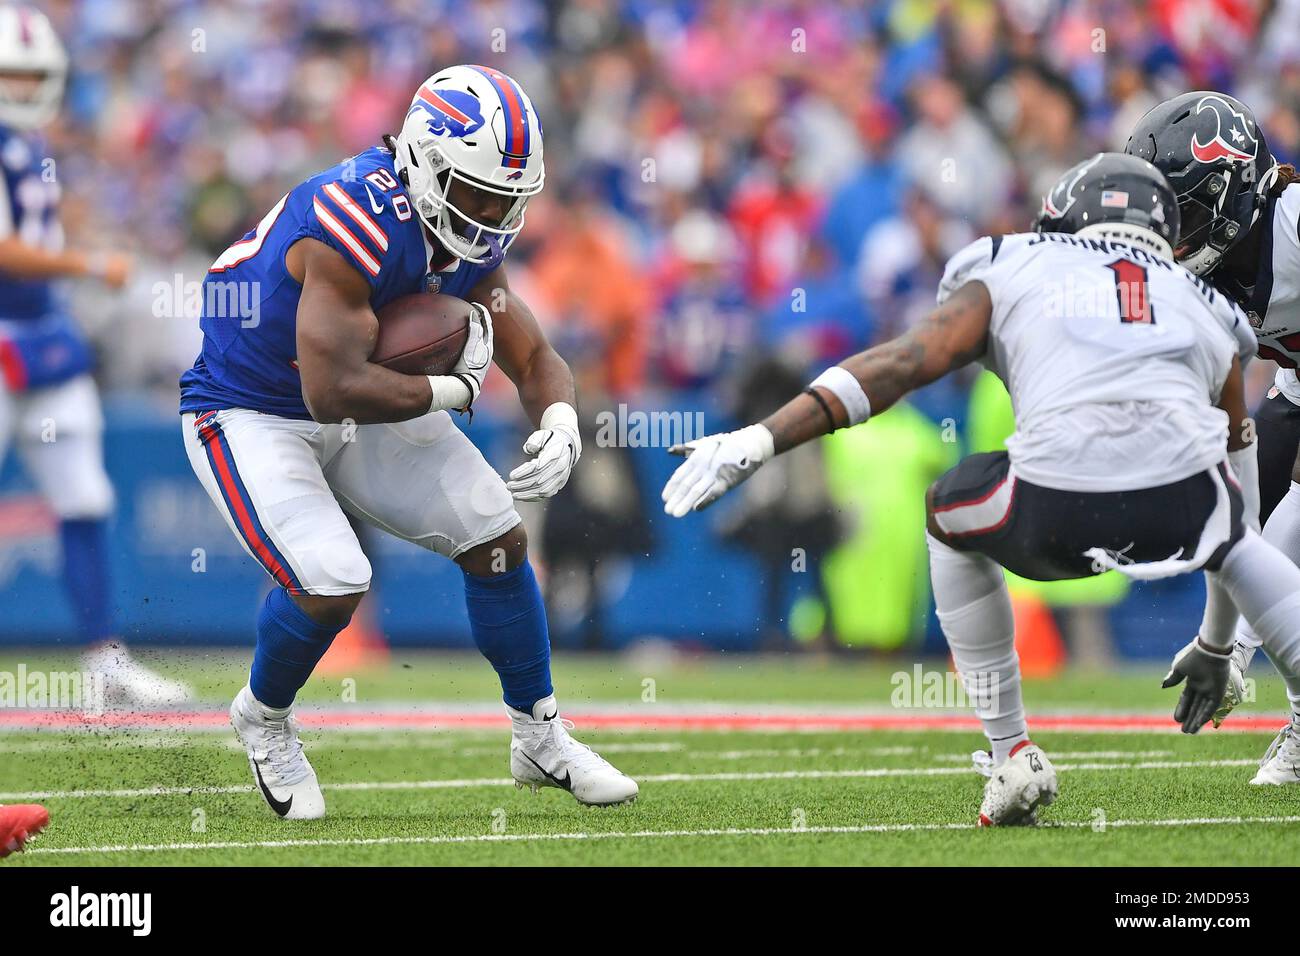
column 1241, row 231
column 1125, row 373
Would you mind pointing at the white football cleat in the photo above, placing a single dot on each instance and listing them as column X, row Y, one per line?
column 1281, row 763
column 129, row 684
column 280, row 768
column 1236, row 692
column 543, row 754
column 1017, row 787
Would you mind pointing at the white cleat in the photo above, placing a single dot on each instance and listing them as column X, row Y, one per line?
column 543, row 754
column 280, row 769
column 1236, row 692
column 1017, row 787
column 1281, row 763
column 129, row 684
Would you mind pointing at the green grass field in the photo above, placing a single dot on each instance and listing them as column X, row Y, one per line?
column 171, row 795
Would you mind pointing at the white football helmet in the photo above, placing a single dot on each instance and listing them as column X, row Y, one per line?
column 475, row 125
column 29, row 47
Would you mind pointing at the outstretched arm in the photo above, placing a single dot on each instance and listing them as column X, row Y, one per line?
column 953, row 335
column 32, row 262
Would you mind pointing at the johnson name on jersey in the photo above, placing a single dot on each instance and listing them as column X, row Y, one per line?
column 250, row 301
column 1110, row 352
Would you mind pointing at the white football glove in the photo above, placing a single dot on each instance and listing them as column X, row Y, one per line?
column 716, row 464
column 476, row 357
column 556, row 448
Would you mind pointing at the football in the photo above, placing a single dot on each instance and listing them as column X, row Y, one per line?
column 422, row 334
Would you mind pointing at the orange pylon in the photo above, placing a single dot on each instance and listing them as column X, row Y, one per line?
column 359, row 645
column 1038, row 640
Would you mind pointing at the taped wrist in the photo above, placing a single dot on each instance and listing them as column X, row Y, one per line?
column 451, row 392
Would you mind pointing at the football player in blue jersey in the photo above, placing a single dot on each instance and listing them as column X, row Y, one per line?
column 49, row 408
column 288, row 425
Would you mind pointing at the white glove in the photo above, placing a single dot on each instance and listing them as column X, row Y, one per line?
column 476, row 357
column 556, row 448
column 716, row 464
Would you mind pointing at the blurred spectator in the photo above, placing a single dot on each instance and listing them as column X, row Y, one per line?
column 767, row 179
column 951, row 154
column 705, row 320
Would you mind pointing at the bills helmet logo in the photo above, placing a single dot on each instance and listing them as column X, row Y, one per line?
column 1234, row 136
column 1058, row 202
column 451, row 112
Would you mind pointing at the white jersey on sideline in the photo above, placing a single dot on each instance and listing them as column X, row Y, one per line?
column 1113, row 356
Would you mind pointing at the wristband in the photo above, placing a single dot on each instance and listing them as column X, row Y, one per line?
column 825, row 407
column 841, row 383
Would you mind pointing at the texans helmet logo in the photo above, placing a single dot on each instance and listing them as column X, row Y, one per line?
column 1240, row 143
column 451, row 112
column 1057, row 202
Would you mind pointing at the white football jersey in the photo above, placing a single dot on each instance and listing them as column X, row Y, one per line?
column 1113, row 356
column 1277, row 324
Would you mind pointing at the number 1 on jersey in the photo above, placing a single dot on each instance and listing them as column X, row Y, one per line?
column 1131, row 292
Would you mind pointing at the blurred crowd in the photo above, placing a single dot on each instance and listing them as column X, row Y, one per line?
column 730, row 183
column 724, row 178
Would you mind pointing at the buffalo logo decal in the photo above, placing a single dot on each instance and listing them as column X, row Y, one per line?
column 451, row 112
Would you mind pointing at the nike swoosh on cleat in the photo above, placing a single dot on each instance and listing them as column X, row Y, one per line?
column 281, row 807
column 565, row 784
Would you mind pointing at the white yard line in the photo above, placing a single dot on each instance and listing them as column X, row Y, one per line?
column 635, row 835
column 741, row 776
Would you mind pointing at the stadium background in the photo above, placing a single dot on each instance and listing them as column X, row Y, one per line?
column 738, row 193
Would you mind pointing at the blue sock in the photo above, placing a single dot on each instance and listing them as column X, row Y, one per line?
column 289, row 645
column 85, row 575
column 508, row 620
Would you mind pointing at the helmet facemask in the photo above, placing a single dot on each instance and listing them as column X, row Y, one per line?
column 29, row 100
column 432, row 181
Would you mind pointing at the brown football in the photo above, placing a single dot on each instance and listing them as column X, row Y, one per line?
column 422, row 334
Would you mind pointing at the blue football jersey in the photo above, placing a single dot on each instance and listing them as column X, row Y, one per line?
column 29, row 211
column 249, row 305
column 40, row 344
